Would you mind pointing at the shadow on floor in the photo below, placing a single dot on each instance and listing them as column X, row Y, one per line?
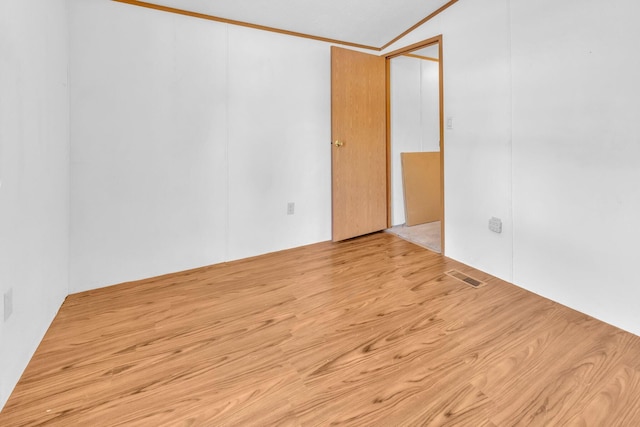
column 426, row 235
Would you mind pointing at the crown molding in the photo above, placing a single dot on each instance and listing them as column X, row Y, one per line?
column 243, row 24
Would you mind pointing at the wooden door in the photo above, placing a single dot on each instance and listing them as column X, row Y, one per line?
column 358, row 127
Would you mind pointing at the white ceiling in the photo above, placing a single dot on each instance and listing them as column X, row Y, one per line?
column 366, row 22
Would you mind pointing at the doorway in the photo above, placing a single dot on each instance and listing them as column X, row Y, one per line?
column 416, row 144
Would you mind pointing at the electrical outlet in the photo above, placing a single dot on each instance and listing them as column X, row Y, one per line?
column 291, row 208
column 8, row 304
column 495, row 225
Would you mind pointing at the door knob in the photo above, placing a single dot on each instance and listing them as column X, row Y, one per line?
column 338, row 143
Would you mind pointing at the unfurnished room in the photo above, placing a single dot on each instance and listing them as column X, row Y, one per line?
column 310, row 213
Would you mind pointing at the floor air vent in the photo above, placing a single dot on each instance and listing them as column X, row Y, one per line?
column 464, row 278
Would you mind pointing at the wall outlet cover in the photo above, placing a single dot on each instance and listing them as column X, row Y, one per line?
column 495, row 225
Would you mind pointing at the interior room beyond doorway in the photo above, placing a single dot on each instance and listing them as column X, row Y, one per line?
column 416, row 190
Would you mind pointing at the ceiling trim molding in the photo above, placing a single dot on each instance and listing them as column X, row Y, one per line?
column 431, row 16
column 426, row 58
column 418, row 45
column 243, row 24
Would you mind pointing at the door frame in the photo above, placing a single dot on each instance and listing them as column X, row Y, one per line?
column 389, row 56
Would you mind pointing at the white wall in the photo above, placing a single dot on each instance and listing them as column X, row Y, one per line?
column 544, row 99
column 478, row 149
column 576, row 154
column 430, row 105
column 279, row 142
column 406, row 129
column 415, row 123
column 189, row 138
column 34, row 173
column 148, row 135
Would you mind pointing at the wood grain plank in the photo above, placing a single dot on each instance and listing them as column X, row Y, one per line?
column 369, row 331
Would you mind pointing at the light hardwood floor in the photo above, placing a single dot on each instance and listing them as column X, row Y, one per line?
column 364, row 332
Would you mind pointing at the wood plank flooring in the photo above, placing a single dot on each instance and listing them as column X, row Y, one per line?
column 364, row 332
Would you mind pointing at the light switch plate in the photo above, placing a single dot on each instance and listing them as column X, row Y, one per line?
column 449, row 122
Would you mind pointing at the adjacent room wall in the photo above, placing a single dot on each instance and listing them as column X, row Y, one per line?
column 544, row 101
column 34, row 176
column 430, row 105
column 189, row 138
column 415, row 119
